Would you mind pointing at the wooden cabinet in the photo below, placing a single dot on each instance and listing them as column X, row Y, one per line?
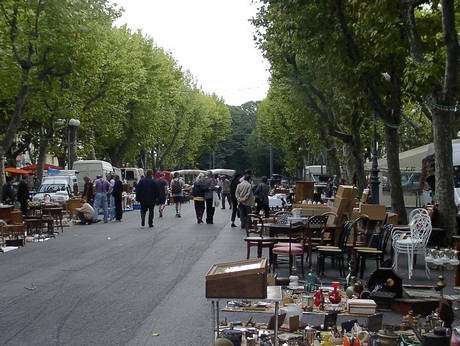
column 304, row 190
column 240, row 279
column 72, row 204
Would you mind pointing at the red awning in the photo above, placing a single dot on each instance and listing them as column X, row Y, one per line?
column 17, row 171
column 45, row 167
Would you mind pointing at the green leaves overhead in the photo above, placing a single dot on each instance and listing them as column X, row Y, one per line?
column 65, row 59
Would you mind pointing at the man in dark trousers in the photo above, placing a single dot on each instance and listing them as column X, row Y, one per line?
column 23, row 195
column 117, row 193
column 147, row 192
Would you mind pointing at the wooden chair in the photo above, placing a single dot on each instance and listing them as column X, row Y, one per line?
column 254, row 228
column 377, row 253
column 281, row 215
column 294, row 247
column 319, row 232
column 336, row 253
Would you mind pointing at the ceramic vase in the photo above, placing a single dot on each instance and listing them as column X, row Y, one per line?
column 351, row 289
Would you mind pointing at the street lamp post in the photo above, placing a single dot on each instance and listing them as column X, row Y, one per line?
column 73, row 124
column 375, row 168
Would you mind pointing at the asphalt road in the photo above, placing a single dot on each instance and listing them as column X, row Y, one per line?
column 123, row 284
column 116, row 283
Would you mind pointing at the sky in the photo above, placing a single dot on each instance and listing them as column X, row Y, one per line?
column 211, row 38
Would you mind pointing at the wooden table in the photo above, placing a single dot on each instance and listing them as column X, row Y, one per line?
column 261, row 241
column 56, row 213
column 275, row 229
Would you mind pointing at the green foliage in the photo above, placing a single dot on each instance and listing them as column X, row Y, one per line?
column 129, row 95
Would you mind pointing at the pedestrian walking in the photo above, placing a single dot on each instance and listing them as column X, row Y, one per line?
column 245, row 199
column 111, row 180
column 102, row 188
column 177, row 191
column 147, row 192
column 198, row 197
column 163, row 193
column 117, row 193
column 261, row 197
column 209, row 186
column 233, row 184
column 226, row 192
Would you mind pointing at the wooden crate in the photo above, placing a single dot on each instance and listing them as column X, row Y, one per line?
column 376, row 212
column 347, row 191
column 241, row 280
column 361, row 306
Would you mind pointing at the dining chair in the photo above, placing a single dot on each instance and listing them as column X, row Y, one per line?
column 413, row 242
column 336, row 253
column 282, row 216
column 320, row 232
column 254, row 228
column 377, row 253
column 293, row 248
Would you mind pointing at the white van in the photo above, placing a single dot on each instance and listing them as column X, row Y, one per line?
column 91, row 168
column 57, row 187
column 131, row 174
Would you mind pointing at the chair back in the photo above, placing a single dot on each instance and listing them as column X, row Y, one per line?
column 281, row 216
column 254, row 225
column 317, row 225
column 345, row 233
column 420, row 231
column 297, row 233
column 361, row 231
column 417, row 211
column 384, row 236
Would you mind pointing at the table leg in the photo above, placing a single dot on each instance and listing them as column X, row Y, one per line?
column 457, row 268
column 277, row 305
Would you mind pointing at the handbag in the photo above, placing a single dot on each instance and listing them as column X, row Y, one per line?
column 215, row 199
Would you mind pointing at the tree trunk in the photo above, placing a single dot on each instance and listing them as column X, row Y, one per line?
column 42, row 150
column 444, row 187
column 394, row 174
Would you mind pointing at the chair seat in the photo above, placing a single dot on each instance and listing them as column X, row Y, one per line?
column 327, row 247
column 287, row 245
column 370, row 251
column 284, row 250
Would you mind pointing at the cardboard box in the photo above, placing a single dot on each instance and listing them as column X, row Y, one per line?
column 361, row 306
column 376, row 212
column 240, row 280
column 347, row 191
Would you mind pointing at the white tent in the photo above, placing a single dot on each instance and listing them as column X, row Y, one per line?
column 411, row 160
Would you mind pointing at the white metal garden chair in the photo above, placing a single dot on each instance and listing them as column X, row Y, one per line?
column 413, row 242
